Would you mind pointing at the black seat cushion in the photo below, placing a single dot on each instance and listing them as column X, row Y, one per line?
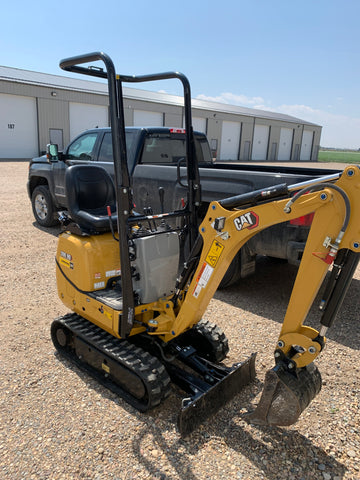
column 89, row 190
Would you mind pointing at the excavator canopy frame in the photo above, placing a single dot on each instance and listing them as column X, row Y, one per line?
column 122, row 177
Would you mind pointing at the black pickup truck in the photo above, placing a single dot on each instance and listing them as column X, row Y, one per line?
column 155, row 158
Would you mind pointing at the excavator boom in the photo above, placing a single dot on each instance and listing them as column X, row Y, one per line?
column 335, row 233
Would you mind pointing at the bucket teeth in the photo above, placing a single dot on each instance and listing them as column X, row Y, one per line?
column 286, row 395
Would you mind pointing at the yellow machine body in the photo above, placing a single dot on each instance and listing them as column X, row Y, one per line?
column 89, row 261
column 87, row 265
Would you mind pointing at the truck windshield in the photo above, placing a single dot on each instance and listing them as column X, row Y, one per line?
column 82, row 148
column 170, row 148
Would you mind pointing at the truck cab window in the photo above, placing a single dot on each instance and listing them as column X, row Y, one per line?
column 203, row 151
column 82, row 148
column 106, row 149
column 163, row 149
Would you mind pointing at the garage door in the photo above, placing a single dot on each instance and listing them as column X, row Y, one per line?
column 199, row 124
column 260, row 142
column 285, row 144
column 230, row 141
column 142, row 118
column 306, row 145
column 84, row 116
column 18, row 127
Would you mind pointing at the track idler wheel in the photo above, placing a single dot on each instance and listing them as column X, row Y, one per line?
column 286, row 395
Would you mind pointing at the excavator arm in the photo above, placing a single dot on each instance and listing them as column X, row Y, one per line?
column 225, row 230
column 334, row 239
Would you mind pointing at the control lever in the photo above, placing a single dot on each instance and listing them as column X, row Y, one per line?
column 161, row 195
column 149, row 212
column 162, row 207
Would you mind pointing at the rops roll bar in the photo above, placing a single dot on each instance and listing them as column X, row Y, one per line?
column 122, row 178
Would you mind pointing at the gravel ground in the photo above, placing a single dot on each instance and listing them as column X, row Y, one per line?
column 57, row 423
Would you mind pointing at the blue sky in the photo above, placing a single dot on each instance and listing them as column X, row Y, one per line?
column 299, row 58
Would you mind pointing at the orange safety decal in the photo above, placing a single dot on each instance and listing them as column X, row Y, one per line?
column 202, row 279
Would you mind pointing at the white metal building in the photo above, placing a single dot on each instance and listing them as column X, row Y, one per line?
column 38, row 108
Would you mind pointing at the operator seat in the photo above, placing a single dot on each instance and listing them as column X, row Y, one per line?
column 89, row 190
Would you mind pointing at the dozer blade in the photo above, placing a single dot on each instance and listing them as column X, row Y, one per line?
column 286, row 395
column 208, row 403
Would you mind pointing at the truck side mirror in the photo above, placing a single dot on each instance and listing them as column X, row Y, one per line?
column 52, row 151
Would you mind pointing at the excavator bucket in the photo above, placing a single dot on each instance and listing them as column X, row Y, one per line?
column 286, row 395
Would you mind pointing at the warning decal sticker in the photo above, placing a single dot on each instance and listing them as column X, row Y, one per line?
column 202, row 279
column 214, row 253
column 64, row 262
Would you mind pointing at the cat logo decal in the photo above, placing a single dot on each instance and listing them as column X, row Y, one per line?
column 247, row 220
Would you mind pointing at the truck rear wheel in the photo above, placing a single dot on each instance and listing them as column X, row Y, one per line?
column 233, row 273
column 43, row 207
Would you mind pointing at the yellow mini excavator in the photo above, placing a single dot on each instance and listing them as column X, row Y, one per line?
column 136, row 316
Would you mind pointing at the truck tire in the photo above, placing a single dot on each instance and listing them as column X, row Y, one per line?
column 233, row 273
column 43, row 207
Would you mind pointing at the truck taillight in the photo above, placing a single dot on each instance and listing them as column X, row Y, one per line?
column 177, row 130
column 304, row 221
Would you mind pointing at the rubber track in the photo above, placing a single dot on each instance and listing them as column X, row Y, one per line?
column 146, row 367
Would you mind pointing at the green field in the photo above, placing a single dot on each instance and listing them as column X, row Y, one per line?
column 339, row 156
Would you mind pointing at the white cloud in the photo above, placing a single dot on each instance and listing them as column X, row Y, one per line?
column 233, row 99
column 339, row 131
